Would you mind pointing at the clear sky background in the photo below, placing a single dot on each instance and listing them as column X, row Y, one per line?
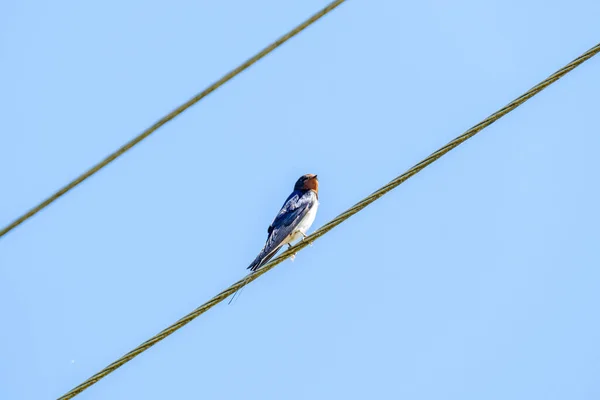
column 476, row 279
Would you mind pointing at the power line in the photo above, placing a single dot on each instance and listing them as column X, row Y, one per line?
column 129, row 145
column 335, row 222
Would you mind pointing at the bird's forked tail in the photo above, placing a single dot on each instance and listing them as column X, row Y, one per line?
column 263, row 257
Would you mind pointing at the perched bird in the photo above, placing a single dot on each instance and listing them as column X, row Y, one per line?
column 293, row 220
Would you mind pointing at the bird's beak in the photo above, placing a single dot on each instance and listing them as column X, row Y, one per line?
column 315, row 177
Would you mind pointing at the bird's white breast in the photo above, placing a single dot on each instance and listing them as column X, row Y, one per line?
column 308, row 219
column 304, row 224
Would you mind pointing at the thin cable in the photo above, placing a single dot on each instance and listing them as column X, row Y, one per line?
column 332, row 224
column 127, row 146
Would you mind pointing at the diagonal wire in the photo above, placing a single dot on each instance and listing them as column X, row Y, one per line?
column 335, row 222
column 127, row 146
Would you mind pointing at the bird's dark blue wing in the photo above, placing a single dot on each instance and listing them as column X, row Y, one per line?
column 293, row 211
column 291, row 205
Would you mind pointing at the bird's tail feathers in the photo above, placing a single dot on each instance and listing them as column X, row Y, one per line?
column 258, row 262
column 263, row 257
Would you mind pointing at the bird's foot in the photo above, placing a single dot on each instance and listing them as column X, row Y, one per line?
column 304, row 236
column 293, row 256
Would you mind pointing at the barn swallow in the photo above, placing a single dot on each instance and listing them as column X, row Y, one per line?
column 293, row 220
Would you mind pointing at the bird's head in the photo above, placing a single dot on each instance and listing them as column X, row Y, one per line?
column 307, row 182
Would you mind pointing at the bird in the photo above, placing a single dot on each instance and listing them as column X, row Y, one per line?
column 293, row 220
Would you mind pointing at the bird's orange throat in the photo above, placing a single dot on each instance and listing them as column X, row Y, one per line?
column 312, row 184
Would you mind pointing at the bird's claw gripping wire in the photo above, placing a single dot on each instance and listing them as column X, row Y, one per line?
column 304, row 236
column 293, row 256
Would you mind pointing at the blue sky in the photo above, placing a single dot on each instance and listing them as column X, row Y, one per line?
column 477, row 278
